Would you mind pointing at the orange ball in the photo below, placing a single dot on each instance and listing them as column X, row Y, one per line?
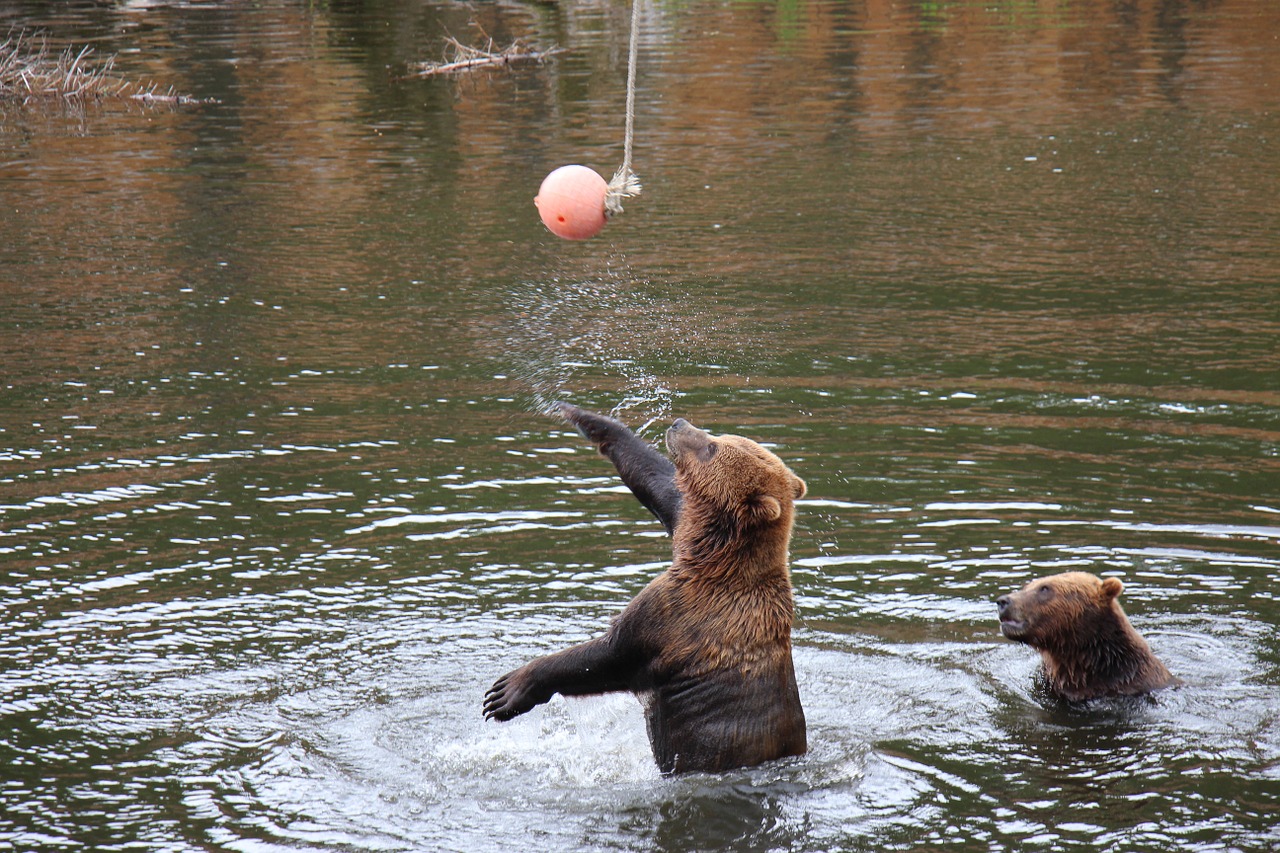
column 571, row 202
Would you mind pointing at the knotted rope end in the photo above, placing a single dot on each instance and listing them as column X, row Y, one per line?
column 625, row 184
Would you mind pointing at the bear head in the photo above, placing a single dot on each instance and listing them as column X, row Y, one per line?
column 1060, row 610
column 732, row 476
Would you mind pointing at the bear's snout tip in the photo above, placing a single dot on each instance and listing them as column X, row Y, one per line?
column 1011, row 625
column 683, row 437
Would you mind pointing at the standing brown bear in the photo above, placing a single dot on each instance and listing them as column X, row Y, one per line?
column 1088, row 646
column 707, row 644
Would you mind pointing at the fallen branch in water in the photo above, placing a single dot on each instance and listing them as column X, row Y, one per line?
column 28, row 71
column 466, row 58
column 153, row 96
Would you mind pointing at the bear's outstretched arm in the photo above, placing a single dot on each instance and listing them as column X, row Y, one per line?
column 601, row 665
column 649, row 475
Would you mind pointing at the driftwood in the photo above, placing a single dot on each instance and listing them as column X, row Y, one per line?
column 29, row 71
column 463, row 57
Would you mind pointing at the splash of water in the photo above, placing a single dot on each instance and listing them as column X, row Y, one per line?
column 610, row 326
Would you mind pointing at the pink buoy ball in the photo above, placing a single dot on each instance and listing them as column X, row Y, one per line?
column 571, row 202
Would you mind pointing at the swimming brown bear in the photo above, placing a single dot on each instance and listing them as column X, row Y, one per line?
column 1088, row 647
column 707, row 644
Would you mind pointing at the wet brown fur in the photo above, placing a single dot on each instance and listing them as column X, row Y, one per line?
column 707, row 644
column 734, row 531
column 1088, row 648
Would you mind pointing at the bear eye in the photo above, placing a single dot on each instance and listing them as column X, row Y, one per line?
column 1044, row 593
column 708, row 450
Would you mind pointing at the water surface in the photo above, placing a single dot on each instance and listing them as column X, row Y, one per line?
column 279, row 497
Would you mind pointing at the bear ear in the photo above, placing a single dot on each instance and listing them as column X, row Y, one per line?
column 769, row 507
column 798, row 488
column 1111, row 587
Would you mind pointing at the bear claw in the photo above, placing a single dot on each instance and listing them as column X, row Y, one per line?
column 597, row 428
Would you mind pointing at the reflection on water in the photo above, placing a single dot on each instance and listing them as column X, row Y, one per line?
column 279, row 497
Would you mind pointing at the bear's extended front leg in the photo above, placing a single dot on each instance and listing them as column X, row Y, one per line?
column 597, row 666
column 649, row 475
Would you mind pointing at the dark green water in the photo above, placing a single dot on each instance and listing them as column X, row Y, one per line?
column 278, row 500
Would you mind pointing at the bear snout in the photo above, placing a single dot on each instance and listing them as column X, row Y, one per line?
column 684, row 437
column 674, row 432
column 1010, row 625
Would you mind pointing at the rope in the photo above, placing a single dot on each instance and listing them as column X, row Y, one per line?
column 625, row 183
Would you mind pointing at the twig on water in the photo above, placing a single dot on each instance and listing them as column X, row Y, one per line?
column 463, row 57
column 30, row 72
